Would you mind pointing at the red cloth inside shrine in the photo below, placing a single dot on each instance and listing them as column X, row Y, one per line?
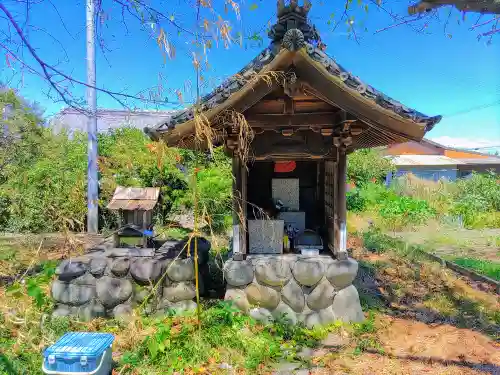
column 284, row 166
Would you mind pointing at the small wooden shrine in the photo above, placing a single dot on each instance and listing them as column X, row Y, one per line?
column 303, row 113
column 135, row 213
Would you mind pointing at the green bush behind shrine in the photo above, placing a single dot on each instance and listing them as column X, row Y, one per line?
column 43, row 180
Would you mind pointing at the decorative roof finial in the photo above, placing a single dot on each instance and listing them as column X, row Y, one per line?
column 293, row 17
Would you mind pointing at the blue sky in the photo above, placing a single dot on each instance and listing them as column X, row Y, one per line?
column 428, row 71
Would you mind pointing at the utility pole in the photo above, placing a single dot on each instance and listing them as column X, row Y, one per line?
column 92, row 183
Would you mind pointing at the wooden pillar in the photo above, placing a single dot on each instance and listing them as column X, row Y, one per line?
column 342, row 204
column 238, row 249
column 243, row 202
column 144, row 227
column 330, row 173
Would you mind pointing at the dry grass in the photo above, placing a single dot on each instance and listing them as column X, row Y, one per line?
column 19, row 252
column 437, row 193
column 240, row 126
column 425, row 291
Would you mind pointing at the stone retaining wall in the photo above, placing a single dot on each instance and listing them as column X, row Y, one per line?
column 109, row 283
column 312, row 290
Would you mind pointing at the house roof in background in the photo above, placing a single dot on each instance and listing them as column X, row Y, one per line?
column 450, row 148
column 423, row 160
column 72, row 120
column 489, row 160
column 127, row 198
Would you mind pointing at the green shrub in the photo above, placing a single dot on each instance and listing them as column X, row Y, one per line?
column 4, row 210
column 213, row 191
column 43, row 176
column 439, row 194
column 477, row 200
column 398, row 212
column 368, row 196
column 368, row 165
column 355, row 201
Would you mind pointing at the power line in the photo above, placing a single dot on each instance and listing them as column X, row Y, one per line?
column 473, row 109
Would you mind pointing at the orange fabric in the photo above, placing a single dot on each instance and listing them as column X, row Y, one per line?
column 284, row 166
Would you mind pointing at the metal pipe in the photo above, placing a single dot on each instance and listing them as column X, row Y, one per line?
column 92, row 178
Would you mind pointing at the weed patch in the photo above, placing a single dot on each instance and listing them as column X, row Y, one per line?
column 485, row 267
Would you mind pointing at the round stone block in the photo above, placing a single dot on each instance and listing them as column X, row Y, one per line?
column 181, row 270
column 69, row 270
column 163, row 304
column 346, row 306
column 183, row 307
column 61, row 310
column 86, row 279
column 72, row 294
column 238, row 297
column 273, row 271
column 145, row 271
column 141, row 293
column 322, row 317
column 341, row 273
column 91, row 311
column 308, row 271
column 302, row 317
column 203, row 249
column 179, row 292
column 261, row 315
column 122, row 311
column 285, row 314
column 120, row 266
column 165, row 264
column 238, row 272
column 262, row 296
column 321, row 296
column 112, row 291
column 293, row 296
column 97, row 266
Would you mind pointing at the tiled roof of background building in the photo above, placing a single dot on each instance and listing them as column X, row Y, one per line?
column 107, row 119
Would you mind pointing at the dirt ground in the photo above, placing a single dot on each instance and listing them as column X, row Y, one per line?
column 412, row 347
column 429, row 322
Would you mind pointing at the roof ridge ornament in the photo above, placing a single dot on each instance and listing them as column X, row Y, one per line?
column 292, row 30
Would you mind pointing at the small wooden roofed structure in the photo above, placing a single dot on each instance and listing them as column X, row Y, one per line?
column 299, row 104
column 136, row 204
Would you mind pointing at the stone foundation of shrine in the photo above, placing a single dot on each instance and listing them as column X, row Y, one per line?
column 314, row 290
column 110, row 283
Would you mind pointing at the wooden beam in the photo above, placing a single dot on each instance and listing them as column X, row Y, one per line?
column 332, row 119
column 289, row 106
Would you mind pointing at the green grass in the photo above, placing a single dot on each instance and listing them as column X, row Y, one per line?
column 173, row 233
column 485, row 267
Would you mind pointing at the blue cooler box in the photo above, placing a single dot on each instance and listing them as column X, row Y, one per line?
column 82, row 353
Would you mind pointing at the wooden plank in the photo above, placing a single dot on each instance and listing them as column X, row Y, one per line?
column 298, row 119
column 313, row 106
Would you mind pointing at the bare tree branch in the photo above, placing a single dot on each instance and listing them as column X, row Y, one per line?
column 49, row 72
column 404, row 22
column 478, row 6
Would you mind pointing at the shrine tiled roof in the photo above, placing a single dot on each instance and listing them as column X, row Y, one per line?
column 293, row 33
